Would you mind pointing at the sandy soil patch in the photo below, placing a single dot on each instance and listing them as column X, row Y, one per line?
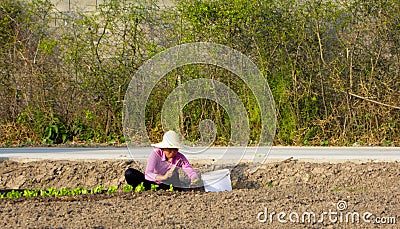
column 296, row 188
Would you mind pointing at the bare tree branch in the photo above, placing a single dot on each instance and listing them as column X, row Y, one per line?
column 373, row 101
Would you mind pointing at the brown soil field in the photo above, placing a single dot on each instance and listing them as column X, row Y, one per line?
column 286, row 194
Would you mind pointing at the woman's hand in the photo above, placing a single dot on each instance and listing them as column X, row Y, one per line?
column 195, row 182
column 166, row 176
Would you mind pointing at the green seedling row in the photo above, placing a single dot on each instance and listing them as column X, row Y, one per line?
column 76, row 191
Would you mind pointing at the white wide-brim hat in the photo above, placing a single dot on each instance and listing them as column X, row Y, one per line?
column 170, row 140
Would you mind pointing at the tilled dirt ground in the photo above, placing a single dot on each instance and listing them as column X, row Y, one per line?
column 293, row 194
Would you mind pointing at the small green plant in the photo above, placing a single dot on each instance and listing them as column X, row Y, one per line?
column 324, row 143
column 270, row 184
column 140, row 188
column 65, row 192
column 84, row 191
column 351, row 189
column 96, row 190
column 31, row 193
column 14, row 194
column 79, row 191
column 128, row 188
column 387, row 143
column 337, row 189
column 30, row 142
column 8, row 144
column 154, row 187
column 2, row 195
column 112, row 189
column 52, row 192
column 43, row 193
column 76, row 191
column 171, row 188
column 27, row 193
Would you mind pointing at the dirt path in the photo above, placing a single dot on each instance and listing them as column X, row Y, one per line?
column 301, row 190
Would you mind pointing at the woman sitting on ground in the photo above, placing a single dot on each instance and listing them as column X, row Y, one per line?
column 162, row 166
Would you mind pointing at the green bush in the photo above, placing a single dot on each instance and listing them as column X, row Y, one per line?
column 332, row 68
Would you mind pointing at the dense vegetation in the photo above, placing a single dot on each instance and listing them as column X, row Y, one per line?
column 333, row 68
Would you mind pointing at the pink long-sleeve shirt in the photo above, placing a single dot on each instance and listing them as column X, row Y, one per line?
column 159, row 165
